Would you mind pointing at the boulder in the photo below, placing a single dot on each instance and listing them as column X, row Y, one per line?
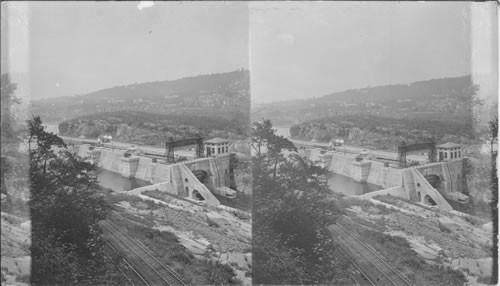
column 248, row 258
column 487, row 226
column 238, row 260
column 215, row 219
column 226, row 192
column 447, row 225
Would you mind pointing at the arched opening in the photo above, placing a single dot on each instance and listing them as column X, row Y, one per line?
column 419, row 196
column 186, row 180
column 201, row 175
column 434, row 180
column 429, row 201
column 186, row 194
column 197, row 196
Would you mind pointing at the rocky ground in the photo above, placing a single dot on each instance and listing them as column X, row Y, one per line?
column 16, row 241
column 16, row 226
column 207, row 232
column 447, row 239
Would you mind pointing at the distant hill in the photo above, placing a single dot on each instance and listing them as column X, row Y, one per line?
column 381, row 117
column 223, row 94
column 437, row 99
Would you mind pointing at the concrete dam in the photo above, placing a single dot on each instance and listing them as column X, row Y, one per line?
column 176, row 179
column 413, row 183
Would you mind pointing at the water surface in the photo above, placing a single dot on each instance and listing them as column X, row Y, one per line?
column 282, row 131
column 117, row 182
column 349, row 187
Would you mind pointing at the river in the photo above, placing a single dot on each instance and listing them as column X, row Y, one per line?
column 348, row 187
column 117, row 182
column 282, row 131
column 52, row 127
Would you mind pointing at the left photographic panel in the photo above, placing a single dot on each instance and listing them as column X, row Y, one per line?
column 125, row 143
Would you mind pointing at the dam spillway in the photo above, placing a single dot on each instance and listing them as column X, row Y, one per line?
column 176, row 179
column 407, row 183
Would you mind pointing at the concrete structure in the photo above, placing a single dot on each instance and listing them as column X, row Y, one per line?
column 216, row 146
column 447, row 177
column 177, row 179
column 365, row 171
column 361, row 170
column 217, row 168
column 418, row 189
column 428, row 184
column 129, row 166
column 449, row 151
column 183, row 183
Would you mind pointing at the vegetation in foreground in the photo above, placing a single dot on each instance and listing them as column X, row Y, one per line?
column 67, row 242
column 292, row 208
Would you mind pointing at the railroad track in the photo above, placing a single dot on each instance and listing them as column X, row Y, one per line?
column 140, row 259
column 366, row 259
column 133, row 277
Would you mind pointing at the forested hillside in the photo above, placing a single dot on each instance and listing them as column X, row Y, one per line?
column 382, row 117
column 151, row 129
column 224, row 94
column 440, row 99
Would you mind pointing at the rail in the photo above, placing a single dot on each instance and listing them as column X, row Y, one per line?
column 398, row 273
column 359, row 269
column 389, row 275
column 137, row 274
column 149, row 267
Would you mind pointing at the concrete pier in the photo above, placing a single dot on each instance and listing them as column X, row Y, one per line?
column 128, row 166
column 360, row 171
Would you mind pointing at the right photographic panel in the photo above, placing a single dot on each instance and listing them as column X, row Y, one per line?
column 374, row 143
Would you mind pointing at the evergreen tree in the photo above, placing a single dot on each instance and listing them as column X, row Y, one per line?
column 67, row 243
column 292, row 209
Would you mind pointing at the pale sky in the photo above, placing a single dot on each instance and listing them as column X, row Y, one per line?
column 293, row 49
column 306, row 49
column 80, row 47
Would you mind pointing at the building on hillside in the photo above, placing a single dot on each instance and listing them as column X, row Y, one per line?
column 216, row 146
column 449, row 151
